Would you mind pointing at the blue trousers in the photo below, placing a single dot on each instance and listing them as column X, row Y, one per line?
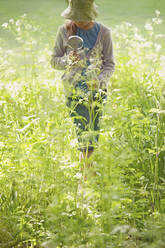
column 86, row 109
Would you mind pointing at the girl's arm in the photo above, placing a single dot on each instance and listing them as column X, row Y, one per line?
column 108, row 66
column 59, row 59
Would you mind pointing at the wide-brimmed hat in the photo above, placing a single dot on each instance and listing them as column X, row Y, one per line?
column 80, row 10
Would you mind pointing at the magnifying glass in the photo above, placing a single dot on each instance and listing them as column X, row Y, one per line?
column 75, row 42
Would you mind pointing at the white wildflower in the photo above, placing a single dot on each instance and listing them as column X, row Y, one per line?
column 11, row 21
column 157, row 47
column 5, row 25
column 139, row 37
column 18, row 29
column 12, row 71
column 161, row 74
column 148, row 27
column 24, row 15
column 13, row 87
column 9, row 52
column 157, row 20
column 34, row 42
column 78, row 175
column 157, row 12
column 159, row 36
column 18, row 23
column 49, row 52
column 146, row 44
column 42, row 59
column 73, row 143
column 2, row 144
column 162, row 58
column 128, row 24
column 18, row 38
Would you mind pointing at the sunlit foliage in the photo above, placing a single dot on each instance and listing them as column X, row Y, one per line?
column 44, row 199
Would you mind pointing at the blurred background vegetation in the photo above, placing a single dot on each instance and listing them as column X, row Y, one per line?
column 112, row 12
column 43, row 202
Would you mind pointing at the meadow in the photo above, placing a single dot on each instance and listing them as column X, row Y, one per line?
column 47, row 13
column 44, row 199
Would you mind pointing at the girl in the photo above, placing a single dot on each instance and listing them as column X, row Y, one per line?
column 86, row 73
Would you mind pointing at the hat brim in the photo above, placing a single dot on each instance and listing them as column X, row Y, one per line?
column 76, row 15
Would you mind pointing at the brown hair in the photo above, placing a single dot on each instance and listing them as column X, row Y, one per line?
column 71, row 28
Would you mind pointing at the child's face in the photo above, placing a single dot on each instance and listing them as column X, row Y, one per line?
column 83, row 24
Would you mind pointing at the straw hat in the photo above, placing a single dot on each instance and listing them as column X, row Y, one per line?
column 80, row 10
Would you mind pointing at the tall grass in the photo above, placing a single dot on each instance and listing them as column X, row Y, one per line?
column 44, row 200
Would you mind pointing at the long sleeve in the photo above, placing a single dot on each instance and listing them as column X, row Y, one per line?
column 108, row 66
column 59, row 58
